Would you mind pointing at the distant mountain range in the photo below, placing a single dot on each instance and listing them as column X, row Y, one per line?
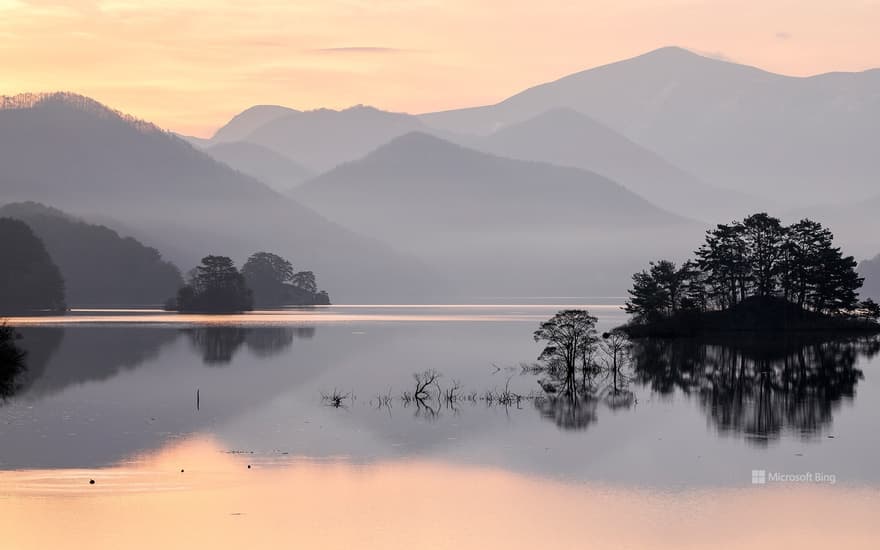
column 565, row 137
column 506, row 223
column 566, row 185
column 325, row 139
column 795, row 140
column 71, row 152
column 321, row 139
column 667, row 124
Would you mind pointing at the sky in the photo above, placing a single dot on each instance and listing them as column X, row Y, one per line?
column 190, row 66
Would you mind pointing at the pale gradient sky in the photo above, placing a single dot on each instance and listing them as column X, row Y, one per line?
column 189, row 66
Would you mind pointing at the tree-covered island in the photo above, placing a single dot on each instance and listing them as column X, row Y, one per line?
column 753, row 275
column 265, row 280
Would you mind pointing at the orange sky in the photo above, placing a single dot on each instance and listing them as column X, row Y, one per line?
column 189, row 66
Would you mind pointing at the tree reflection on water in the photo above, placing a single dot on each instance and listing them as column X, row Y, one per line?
column 757, row 386
column 219, row 344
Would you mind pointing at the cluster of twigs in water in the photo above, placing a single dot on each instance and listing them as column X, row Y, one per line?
column 336, row 398
column 428, row 395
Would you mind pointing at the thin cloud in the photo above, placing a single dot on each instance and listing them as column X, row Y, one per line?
column 360, row 49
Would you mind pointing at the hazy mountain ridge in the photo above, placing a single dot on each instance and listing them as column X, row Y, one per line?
column 494, row 222
column 789, row 138
column 565, row 137
column 434, row 169
column 559, row 136
column 264, row 164
column 168, row 192
column 245, row 122
column 325, row 138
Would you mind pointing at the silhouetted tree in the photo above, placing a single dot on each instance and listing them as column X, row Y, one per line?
column 29, row 279
column 215, row 286
column 268, row 276
column 274, row 282
column 570, row 336
column 722, row 258
column 836, row 286
column 306, row 281
column 763, row 237
column 802, row 264
column 758, row 257
column 662, row 290
column 615, row 347
column 268, row 267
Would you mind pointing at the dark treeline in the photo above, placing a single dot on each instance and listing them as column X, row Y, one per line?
column 755, row 261
column 29, row 279
column 99, row 266
column 275, row 282
column 266, row 279
column 214, row 286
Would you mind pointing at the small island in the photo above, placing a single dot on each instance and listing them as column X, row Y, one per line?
column 265, row 280
column 754, row 275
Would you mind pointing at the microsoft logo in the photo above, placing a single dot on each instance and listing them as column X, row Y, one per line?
column 763, row 477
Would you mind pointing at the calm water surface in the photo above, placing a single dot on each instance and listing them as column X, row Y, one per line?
column 211, row 432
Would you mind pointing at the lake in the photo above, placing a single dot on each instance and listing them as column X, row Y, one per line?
column 217, row 432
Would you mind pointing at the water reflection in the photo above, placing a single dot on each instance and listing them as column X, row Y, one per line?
column 269, row 341
column 198, row 495
column 94, row 394
column 568, row 413
column 11, row 363
column 218, row 344
column 58, row 358
column 109, row 392
column 759, row 387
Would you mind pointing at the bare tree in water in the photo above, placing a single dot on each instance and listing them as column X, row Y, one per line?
column 570, row 337
column 615, row 348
